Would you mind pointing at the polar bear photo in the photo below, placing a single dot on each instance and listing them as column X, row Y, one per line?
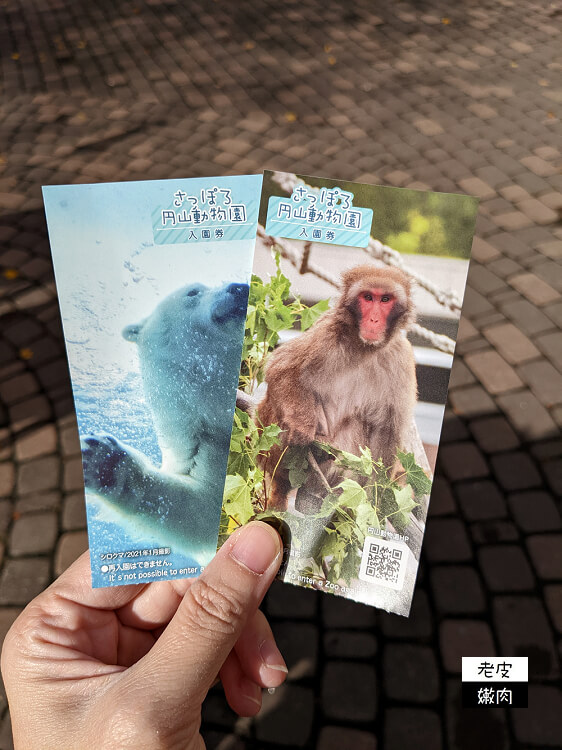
column 189, row 350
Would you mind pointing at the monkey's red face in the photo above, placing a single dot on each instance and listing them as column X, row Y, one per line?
column 375, row 307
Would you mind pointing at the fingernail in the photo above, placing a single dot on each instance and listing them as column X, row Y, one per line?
column 271, row 657
column 256, row 547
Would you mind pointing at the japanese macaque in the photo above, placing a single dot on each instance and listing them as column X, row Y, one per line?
column 349, row 380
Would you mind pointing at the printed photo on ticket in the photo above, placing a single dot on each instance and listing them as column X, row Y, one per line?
column 352, row 319
column 153, row 280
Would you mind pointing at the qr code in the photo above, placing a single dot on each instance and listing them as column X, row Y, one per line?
column 384, row 562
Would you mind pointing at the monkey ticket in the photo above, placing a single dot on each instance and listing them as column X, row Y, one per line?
column 153, row 280
column 352, row 319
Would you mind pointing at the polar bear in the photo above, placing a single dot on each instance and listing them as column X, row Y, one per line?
column 189, row 351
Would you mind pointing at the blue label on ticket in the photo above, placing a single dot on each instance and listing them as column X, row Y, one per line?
column 319, row 215
column 206, row 211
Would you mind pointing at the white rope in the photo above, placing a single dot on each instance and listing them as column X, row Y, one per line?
column 386, row 254
column 294, row 256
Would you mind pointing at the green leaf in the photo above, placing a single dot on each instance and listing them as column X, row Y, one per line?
column 352, row 493
column 268, row 438
column 296, row 462
column 404, row 498
column 415, row 475
column 311, row 314
column 237, row 499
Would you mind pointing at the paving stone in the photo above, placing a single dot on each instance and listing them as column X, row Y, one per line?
column 457, row 590
column 6, row 511
column 515, row 471
column 549, row 271
column 469, row 728
column 460, row 638
column 504, row 267
column 298, row 642
column 553, row 599
column 493, row 372
column 471, row 402
column 69, row 547
column 446, row 541
column 346, row 644
column 512, row 220
column 483, row 251
column 294, row 701
column 523, row 630
column 550, row 345
column 460, row 375
column 513, row 345
column 538, row 211
column 7, row 478
column 483, row 280
column 46, row 500
column 39, row 442
column 34, row 534
column 534, row 511
column 554, row 312
column 73, row 478
column 492, row 531
column 410, row 673
column 544, row 380
column 505, row 568
column 419, row 624
column 537, row 291
column 442, row 502
column 494, row 434
column 74, row 512
column 21, row 580
column 539, row 724
column 552, row 249
column 477, row 187
column 401, row 724
column 538, row 166
column 462, row 461
column 340, row 700
column 527, row 415
column 480, row 500
column 38, row 475
column 334, row 738
column 546, row 555
column 342, row 613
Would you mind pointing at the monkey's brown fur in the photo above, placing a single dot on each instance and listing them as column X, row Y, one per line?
column 330, row 385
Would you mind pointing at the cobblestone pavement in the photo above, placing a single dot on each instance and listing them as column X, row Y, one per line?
column 458, row 97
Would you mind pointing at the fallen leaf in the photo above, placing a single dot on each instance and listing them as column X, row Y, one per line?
column 15, row 56
column 332, row 60
column 290, row 116
column 249, row 45
column 446, row 21
column 327, row 48
column 10, row 273
column 25, row 353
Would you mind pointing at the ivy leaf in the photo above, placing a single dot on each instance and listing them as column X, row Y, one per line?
column 296, row 462
column 367, row 517
column 404, row 498
column 311, row 314
column 352, row 493
column 237, row 500
column 415, row 475
column 268, row 438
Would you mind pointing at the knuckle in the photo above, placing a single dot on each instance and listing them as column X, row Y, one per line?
column 214, row 608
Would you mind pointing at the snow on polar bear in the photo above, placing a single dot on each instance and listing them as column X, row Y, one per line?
column 189, row 352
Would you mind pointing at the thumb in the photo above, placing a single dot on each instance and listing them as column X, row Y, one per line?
column 184, row 662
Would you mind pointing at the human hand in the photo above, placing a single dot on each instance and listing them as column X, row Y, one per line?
column 126, row 667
